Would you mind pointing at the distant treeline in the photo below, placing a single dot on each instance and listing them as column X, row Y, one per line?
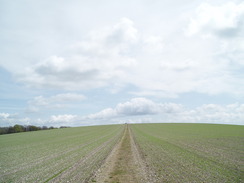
column 26, row 128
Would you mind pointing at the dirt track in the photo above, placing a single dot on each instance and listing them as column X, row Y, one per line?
column 124, row 164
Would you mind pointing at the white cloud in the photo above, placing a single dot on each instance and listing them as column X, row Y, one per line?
column 142, row 110
column 104, row 114
column 232, row 113
column 137, row 107
column 225, row 20
column 4, row 115
column 8, row 119
column 143, row 106
column 211, row 113
column 56, row 101
column 123, row 32
column 120, row 55
column 95, row 62
column 222, row 26
column 196, row 47
column 65, row 118
column 68, row 74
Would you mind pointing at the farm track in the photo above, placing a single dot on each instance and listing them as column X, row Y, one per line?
column 124, row 164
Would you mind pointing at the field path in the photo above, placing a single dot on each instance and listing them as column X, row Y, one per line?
column 124, row 164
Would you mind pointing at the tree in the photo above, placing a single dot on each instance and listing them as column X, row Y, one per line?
column 44, row 128
column 11, row 129
column 3, row 130
column 18, row 128
column 33, row 128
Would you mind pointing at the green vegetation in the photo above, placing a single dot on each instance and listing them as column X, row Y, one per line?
column 192, row 152
column 59, row 155
column 170, row 152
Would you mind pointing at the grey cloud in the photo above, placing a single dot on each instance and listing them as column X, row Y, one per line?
column 137, row 107
column 97, row 64
column 57, row 72
column 140, row 112
column 68, row 74
column 145, row 110
column 230, row 32
column 120, row 54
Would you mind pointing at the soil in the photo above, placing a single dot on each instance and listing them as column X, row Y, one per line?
column 124, row 164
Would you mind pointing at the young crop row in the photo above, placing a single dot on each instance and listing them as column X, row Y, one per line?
column 60, row 155
column 192, row 152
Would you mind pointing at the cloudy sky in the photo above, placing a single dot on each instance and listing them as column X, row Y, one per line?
column 88, row 62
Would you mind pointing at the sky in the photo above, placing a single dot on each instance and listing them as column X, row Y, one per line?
column 91, row 62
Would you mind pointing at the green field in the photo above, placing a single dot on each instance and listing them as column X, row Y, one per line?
column 171, row 152
column 192, row 152
column 60, row 155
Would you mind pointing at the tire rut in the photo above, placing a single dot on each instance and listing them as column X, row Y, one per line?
column 124, row 164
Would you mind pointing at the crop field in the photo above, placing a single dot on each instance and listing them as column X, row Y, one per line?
column 130, row 153
column 60, row 155
column 192, row 152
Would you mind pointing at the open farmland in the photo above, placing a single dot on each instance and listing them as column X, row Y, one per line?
column 192, row 152
column 134, row 153
column 61, row 155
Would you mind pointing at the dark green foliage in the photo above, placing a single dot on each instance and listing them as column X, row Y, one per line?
column 19, row 128
column 4, row 130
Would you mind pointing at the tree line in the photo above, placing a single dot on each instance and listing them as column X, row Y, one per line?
column 24, row 128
